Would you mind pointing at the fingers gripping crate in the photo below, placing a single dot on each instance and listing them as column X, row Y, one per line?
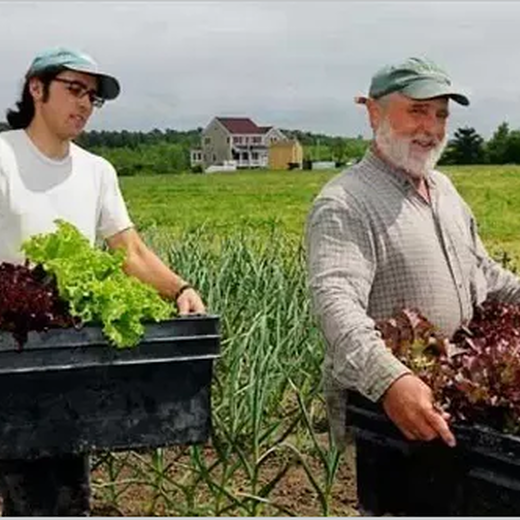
column 479, row 477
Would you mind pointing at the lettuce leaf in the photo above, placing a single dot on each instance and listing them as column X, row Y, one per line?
column 475, row 375
column 95, row 286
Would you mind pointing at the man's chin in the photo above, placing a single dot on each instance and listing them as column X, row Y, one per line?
column 421, row 166
column 73, row 134
column 416, row 169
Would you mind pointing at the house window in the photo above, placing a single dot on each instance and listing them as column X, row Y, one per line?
column 207, row 140
column 237, row 140
column 246, row 140
column 254, row 156
column 257, row 139
column 228, row 140
column 214, row 157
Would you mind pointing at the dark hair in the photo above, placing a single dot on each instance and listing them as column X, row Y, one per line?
column 22, row 115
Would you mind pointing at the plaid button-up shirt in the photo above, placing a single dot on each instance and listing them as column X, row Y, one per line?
column 374, row 247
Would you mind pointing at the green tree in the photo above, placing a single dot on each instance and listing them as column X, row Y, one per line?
column 356, row 148
column 512, row 154
column 338, row 149
column 466, row 147
column 497, row 146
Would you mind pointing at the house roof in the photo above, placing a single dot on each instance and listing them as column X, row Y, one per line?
column 265, row 129
column 240, row 125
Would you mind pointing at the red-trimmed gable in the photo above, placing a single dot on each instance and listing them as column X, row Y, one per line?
column 240, row 125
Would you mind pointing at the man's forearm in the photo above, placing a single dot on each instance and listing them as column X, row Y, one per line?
column 360, row 358
column 145, row 265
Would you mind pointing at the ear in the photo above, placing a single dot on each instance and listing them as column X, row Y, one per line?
column 375, row 113
column 36, row 89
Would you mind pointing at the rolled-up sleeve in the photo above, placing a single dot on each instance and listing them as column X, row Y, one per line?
column 341, row 263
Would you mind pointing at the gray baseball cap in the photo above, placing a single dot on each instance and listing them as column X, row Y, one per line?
column 78, row 61
column 417, row 78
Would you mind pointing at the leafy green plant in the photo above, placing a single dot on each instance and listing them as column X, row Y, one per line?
column 29, row 301
column 266, row 394
column 475, row 376
column 94, row 284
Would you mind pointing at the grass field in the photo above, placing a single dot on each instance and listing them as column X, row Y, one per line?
column 493, row 194
column 269, row 453
column 224, row 202
column 258, row 200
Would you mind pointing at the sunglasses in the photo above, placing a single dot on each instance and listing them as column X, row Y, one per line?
column 79, row 90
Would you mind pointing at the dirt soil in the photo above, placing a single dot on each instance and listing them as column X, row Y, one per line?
column 294, row 491
column 293, row 494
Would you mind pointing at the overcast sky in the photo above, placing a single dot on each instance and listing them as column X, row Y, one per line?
column 289, row 64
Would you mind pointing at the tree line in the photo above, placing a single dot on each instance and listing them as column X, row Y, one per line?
column 468, row 147
column 168, row 151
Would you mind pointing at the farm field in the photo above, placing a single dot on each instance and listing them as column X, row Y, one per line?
column 261, row 200
column 224, row 202
column 237, row 237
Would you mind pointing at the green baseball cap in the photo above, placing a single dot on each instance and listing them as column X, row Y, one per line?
column 78, row 61
column 417, row 78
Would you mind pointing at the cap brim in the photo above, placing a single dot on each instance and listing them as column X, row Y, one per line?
column 109, row 87
column 429, row 88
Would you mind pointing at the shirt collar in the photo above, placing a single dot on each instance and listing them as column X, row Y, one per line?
column 374, row 160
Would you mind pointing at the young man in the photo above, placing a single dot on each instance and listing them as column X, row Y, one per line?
column 393, row 233
column 44, row 176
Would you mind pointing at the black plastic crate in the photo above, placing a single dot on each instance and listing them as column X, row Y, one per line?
column 479, row 477
column 68, row 391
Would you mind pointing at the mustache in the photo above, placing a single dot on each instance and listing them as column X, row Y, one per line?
column 425, row 141
column 422, row 138
column 398, row 149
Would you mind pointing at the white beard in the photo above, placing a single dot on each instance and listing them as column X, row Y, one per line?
column 399, row 152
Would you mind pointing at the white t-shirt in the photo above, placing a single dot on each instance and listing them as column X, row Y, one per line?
column 82, row 189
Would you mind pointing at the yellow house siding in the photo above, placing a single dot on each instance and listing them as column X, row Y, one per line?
column 284, row 152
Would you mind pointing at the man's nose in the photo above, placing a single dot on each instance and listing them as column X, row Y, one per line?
column 431, row 124
column 85, row 103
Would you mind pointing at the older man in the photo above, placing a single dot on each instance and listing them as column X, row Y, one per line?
column 389, row 233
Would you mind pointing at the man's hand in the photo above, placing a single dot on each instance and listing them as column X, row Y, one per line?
column 189, row 302
column 409, row 404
